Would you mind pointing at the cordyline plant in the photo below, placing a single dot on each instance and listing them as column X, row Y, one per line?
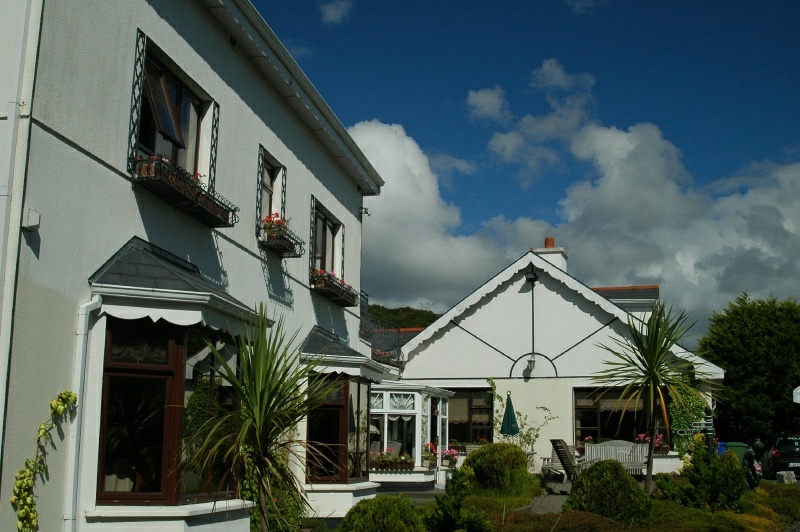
column 646, row 369
column 257, row 443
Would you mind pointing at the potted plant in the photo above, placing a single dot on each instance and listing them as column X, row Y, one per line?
column 274, row 225
column 428, row 455
column 406, row 462
column 450, row 458
column 660, row 446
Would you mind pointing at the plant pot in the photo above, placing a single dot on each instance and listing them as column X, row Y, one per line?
column 427, row 463
column 447, row 463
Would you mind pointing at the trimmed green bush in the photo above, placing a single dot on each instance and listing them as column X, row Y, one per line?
column 447, row 514
column 717, row 482
column 384, row 512
column 607, row 489
column 672, row 487
column 499, row 466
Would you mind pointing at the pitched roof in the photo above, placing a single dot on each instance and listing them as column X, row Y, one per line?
column 531, row 260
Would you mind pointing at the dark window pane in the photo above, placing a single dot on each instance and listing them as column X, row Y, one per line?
column 139, row 342
column 134, row 434
column 323, row 433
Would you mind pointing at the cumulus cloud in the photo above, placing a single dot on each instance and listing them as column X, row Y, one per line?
column 410, row 237
column 532, row 142
column 489, row 104
column 635, row 217
column 335, row 12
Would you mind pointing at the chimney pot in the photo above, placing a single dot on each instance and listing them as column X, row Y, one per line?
column 549, row 242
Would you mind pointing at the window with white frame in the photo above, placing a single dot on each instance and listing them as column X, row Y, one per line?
column 394, row 423
column 271, row 190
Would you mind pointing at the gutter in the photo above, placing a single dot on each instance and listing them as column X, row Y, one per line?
column 74, row 442
column 19, row 99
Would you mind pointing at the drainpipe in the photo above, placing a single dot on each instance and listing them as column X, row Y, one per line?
column 19, row 100
column 74, row 442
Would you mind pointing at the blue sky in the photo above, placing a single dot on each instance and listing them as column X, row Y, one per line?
column 657, row 141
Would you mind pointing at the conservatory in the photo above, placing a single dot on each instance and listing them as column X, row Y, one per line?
column 408, row 423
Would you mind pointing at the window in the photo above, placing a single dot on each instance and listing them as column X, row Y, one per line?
column 325, row 233
column 600, row 417
column 171, row 115
column 159, row 384
column 338, row 432
column 470, row 417
column 394, row 423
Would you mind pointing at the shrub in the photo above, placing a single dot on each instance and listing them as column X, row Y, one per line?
column 672, row 487
column 607, row 489
column 447, row 514
column 717, row 482
column 499, row 466
column 384, row 512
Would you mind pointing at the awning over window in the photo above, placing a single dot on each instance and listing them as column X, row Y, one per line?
column 335, row 356
column 142, row 280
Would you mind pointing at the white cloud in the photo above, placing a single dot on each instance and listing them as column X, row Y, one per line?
column 635, row 218
column 411, row 251
column 489, row 104
column 552, row 76
column 335, row 12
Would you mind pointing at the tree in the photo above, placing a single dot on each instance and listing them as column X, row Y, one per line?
column 647, row 371
column 404, row 316
column 257, row 442
column 757, row 343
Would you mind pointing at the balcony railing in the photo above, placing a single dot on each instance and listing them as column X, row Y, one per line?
column 180, row 189
column 282, row 241
column 383, row 336
column 332, row 288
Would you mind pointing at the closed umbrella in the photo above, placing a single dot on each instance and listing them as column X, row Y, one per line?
column 509, row 426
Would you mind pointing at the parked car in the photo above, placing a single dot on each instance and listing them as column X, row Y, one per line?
column 782, row 453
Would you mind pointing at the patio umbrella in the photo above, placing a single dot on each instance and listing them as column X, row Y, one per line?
column 509, row 426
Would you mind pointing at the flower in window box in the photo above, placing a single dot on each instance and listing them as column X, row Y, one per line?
column 273, row 223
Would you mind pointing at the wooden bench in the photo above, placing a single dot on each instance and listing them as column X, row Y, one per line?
column 632, row 456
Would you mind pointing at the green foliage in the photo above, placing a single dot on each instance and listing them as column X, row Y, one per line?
column 683, row 413
column 258, row 441
column 607, row 489
column 449, row 513
column 286, row 515
column 717, row 482
column 643, row 366
column 528, row 431
column 404, row 316
column 499, row 466
column 672, row 487
column 756, row 342
column 384, row 512
column 23, row 500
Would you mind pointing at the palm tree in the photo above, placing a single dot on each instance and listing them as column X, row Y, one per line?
column 257, row 442
column 646, row 369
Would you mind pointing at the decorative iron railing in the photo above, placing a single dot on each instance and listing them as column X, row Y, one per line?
column 282, row 241
column 382, row 335
column 332, row 288
column 183, row 191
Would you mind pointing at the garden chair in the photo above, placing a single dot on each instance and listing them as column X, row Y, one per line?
column 572, row 466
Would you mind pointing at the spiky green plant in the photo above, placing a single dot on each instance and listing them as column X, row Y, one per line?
column 646, row 368
column 257, row 442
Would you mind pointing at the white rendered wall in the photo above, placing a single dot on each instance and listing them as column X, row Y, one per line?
column 77, row 180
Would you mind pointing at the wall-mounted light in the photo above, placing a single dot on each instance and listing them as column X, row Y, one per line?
column 531, row 276
column 363, row 210
column 531, row 363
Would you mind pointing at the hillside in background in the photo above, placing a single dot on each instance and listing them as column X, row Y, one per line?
column 404, row 316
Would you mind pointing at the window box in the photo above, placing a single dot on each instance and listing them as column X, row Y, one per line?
column 330, row 287
column 183, row 191
column 277, row 236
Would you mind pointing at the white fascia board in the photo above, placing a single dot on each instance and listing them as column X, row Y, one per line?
column 411, row 386
column 260, row 44
column 172, row 297
column 353, row 366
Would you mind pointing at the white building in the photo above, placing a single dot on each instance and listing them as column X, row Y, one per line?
column 142, row 144
column 536, row 331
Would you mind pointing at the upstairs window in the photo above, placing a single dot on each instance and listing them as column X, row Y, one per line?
column 171, row 117
column 326, row 232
